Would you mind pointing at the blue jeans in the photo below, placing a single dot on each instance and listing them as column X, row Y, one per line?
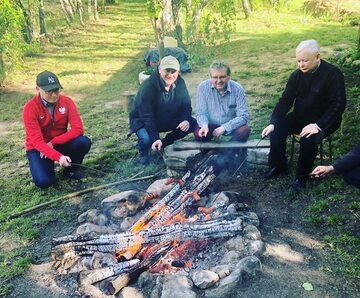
column 42, row 169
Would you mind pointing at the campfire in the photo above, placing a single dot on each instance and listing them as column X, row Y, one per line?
column 165, row 230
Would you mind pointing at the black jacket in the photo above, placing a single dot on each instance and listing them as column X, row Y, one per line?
column 349, row 162
column 319, row 98
column 155, row 114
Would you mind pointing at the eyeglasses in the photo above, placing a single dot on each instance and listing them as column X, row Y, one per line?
column 219, row 78
column 170, row 70
column 52, row 91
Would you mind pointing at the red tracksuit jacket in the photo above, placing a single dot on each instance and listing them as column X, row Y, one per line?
column 40, row 129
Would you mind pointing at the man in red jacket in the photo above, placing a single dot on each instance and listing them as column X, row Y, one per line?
column 46, row 118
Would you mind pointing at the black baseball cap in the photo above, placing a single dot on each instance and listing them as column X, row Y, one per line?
column 48, row 81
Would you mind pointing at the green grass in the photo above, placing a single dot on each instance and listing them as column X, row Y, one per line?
column 97, row 64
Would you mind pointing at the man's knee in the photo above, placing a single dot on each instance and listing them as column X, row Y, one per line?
column 84, row 144
column 144, row 140
column 43, row 182
column 242, row 133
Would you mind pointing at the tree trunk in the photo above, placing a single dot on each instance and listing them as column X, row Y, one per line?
column 68, row 12
column 246, row 8
column 42, row 18
column 178, row 33
column 96, row 12
column 29, row 26
column 89, row 7
column 168, row 27
column 80, row 10
column 2, row 69
column 159, row 36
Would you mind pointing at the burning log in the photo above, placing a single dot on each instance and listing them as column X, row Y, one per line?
column 103, row 273
column 165, row 229
column 124, row 279
column 198, row 230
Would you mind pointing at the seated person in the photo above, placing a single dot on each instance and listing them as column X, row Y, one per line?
column 348, row 166
column 162, row 104
column 46, row 118
column 221, row 107
column 317, row 92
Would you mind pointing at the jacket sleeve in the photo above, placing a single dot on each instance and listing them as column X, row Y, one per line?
column 76, row 126
column 349, row 161
column 201, row 107
column 146, row 101
column 286, row 101
column 186, row 100
column 34, row 133
column 336, row 100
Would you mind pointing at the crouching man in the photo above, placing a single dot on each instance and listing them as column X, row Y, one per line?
column 162, row 104
column 48, row 139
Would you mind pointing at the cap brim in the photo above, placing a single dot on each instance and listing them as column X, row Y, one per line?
column 51, row 87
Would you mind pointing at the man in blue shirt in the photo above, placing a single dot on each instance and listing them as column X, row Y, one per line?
column 221, row 107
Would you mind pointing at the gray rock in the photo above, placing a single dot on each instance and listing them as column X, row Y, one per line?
column 177, row 286
column 93, row 216
column 227, row 286
column 230, row 257
column 250, row 265
column 235, row 244
column 92, row 228
column 130, row 292
column 251, row 232
column 123, row 204
column 159, row 187
column 128, row 222
column 219, row 199
column 146, row 281
column 258, row 156
column 249, row 218
column 204, row 279
column 256, row 247
column 221, row 270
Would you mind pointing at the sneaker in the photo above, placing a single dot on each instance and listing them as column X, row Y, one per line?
column 73, row 175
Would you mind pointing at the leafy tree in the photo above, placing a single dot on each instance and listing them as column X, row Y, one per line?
column 12, row 44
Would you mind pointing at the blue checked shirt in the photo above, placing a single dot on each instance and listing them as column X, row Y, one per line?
column 229, row 110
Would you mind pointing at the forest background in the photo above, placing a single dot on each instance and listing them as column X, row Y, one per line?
column 97, row 49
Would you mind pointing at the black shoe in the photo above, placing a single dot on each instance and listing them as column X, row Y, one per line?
column 274, row 172
column 298, row 184
column 73, row 175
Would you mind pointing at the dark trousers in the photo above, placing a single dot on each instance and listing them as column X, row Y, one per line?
column 42, row 169
column 308, row 146
column 240, row 134
column 144, row 141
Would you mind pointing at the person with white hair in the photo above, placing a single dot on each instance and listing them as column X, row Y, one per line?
column 311, row 106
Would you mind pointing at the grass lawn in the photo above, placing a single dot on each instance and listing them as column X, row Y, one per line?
column 98, row 63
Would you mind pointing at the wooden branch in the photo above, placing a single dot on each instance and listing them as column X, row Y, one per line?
column 193, row 145
column 75, row 194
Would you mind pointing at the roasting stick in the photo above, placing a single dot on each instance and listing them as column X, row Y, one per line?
column 78, row 193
